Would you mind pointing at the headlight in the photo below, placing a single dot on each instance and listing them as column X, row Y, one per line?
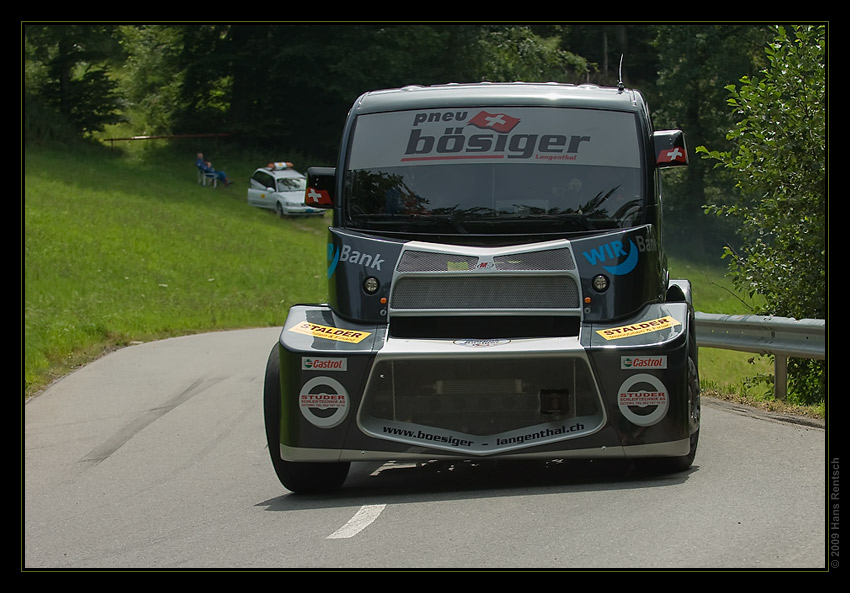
column 600, row 283
column 371, row 285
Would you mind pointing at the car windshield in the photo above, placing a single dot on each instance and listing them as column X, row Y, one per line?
column 571, row 171
column 291, row 184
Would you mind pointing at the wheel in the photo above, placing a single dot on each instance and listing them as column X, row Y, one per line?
column 298, row 477
column 279, row 209
column 680, row 464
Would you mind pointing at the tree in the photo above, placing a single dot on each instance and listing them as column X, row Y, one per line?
column 290, row 85
column 511, row 53
column 150, row 79
column 68, row 76
column 779, row 164
column 696, row 63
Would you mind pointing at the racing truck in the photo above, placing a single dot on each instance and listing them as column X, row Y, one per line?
column 497, row 288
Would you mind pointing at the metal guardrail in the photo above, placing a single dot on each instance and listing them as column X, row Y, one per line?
column 781, row 336
column 112, row 141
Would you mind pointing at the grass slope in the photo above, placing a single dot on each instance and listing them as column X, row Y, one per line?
column 117, row 250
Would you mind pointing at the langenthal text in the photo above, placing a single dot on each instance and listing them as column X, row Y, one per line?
column 540, row 434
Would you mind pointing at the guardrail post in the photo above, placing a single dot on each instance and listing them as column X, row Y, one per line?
column 780, row 376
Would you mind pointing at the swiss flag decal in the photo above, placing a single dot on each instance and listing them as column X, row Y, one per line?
column 315, row 197
column 498, row 122
column 674, row 154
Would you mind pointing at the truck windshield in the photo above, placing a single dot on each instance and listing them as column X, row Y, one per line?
column 515, row 171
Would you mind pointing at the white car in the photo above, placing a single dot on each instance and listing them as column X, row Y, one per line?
column 279, row 187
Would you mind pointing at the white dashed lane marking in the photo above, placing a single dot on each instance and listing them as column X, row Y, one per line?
column 360, row 521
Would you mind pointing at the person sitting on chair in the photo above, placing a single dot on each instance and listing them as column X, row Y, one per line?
column 219, row 175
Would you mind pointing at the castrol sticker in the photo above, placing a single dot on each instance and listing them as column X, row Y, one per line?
column 643, row 399
column 636, row 329
column 330, row 333
column 643, row 362
column 324, row 364
column 323, row 402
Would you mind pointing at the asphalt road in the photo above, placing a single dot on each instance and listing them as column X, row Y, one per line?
column 155, row 457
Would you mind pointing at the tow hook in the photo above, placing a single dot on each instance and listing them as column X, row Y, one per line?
column 554, row 402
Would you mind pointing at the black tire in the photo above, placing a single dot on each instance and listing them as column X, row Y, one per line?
column 279, row 209
column 298, row 477
column 668, row 465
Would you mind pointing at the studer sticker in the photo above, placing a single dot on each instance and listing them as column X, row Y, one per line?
column 636, row 329
column 640, row 406
column 323, row 402
column 330, row 333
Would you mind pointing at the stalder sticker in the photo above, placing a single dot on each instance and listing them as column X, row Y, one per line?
column 323, row 402
column 330, row 333
column 643, row 407
column 636, row 329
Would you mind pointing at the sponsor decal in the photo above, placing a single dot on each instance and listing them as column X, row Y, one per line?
column 429, row 437
column 330, row 333
column 636, row 329
column 528, row 135
column 348, row 255
column 643, row 362
column 463, row 441
column 643, row 407
column 455, row 144
column 540, row 434
column 324, row 364
column 481, row 343
column 614, row 250
column 323, row 402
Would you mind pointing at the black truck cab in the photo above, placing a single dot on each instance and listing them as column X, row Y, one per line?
column 497, row 287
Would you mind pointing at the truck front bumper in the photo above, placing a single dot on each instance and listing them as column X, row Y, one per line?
column 350, row 392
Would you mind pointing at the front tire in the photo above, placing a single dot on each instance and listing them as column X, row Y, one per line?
column 669, row 465
column 298, row 477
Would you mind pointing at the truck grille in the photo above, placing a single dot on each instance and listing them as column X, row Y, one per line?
column 481, row 396
column 485, row 292
column 414, row 260
column 486, row 280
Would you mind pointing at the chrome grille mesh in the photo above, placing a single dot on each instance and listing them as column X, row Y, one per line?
column 534, row 261
column 426, row 261
column 550, row 259
column 485, row 280
column 485, row 292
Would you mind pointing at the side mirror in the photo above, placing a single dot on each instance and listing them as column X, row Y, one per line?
column 670, row 148
column 321, row 182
